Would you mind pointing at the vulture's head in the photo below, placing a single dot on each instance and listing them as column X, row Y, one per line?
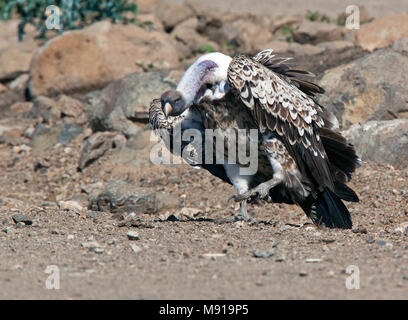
column 206, row 78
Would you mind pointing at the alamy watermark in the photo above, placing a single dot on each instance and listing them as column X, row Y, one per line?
column 198, row 147
column 353, row 280
column 353, row 18
column 53, row 14
column 53, row 280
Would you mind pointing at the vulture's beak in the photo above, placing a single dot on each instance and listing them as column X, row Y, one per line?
column 167, row 109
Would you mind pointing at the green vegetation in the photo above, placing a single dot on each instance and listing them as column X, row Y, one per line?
column 288, row 31
column 205, row 48
column 316, row 16
column 74, row 14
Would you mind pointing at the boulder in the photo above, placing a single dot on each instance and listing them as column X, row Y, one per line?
column 172, row 14
column 315, row 32
column 365, row 17
column 147, row 6
column 249, row 33
column 381, row 141
column 123, row 196
column 401, row 46
column 45, row 108
column 383, row 32
column 72, row 110
column 94, row 56
column 280, row 22
column 97, row 145
column 191, row 42
column 45, row 137
column 370, row 88
column 335, row 45
column 150, row 21
column 293, row 48
column 123, row 105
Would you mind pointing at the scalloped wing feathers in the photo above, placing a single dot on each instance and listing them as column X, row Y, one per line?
column 279, row 106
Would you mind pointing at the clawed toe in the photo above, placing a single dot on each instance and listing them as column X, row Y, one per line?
column 259, row 192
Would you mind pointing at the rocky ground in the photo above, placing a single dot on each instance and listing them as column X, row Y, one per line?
column 78, row 190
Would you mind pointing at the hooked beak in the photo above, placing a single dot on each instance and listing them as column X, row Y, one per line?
column 167, row 109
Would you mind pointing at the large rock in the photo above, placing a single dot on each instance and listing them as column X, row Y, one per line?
column 381, row 141
column 15, row 56
column 248, row 33
column 123, row 105
column 146, row 6
column 190, row 40
column 315, row 32
column 123, row 196
column 401, row 46
column 383, row 32
column 293, row 48
column 46, row 137
column 364, row 16
column 370, row 88
column 97, row 145
column 97, row 55
column 172, row 14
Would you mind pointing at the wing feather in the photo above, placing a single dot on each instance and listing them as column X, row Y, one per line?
column 279, row 106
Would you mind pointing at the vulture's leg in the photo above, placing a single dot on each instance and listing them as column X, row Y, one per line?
column 241, row 184
column 260, row 191
column 243, row 211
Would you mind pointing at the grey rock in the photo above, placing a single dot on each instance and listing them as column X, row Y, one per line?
column 136, row 150
column 315, row 32
column 93, row 214
column 381, row 141
column 123, row 105
column 173, row 218
column 95, row 147
column 45, row 137
column 44, row 107
column 21, row 218
column 262, row 253
column 382, row 242
column 133, row 235
column 401, row 46
column 370, row 88
column 123, row 196
column 135, row 248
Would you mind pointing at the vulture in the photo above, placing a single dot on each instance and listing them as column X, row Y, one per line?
column 301, row 156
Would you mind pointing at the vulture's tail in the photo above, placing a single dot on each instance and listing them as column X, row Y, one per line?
column 329, row 210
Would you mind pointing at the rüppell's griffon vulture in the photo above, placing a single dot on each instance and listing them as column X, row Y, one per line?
column 302, row 157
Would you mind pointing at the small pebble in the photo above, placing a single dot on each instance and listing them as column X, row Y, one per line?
column 133, row 235
column 262, row 253
column 135, row 248
column 21, row 218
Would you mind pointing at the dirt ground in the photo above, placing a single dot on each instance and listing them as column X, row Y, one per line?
column 197, row 258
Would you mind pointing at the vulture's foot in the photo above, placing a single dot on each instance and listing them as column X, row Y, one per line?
column 261, row 191
column 243, row 212
column 241, row 216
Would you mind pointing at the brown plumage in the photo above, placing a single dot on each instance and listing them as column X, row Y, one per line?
column 302, row 159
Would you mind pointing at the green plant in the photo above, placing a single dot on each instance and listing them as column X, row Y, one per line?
column 74, row 14
column 313, row 15
column 316, row 16
column 205, row 48
column 288, row 31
